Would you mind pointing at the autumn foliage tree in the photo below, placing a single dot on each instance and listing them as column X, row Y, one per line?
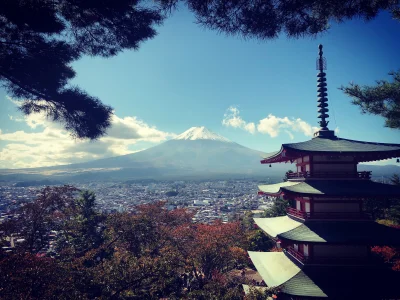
column 150, row 254
column 52, row 207
column 195, row 252
column 389, row 211
column 390, row 255
column 27, row 276
column 82, row 230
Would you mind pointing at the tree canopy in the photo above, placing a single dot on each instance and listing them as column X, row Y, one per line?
column 150, row 254
column 383, row 99
column 267, row 19
column 39, row 39
column 278, row 208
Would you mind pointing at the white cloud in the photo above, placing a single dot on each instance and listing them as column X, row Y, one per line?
column 232, row 119
column 46, row 143
column 12, row 118
column 133, row 128
column 271, row 125
column 290, row 134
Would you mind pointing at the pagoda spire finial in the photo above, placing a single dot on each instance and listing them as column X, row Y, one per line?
column 322, row 97
column 322, row 91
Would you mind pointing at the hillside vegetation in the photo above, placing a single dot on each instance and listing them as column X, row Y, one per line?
column 65, row 249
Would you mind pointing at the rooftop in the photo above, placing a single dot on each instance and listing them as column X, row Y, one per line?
column 336, row 232
column 349, row 188
column 362, row 151
column 336, row 282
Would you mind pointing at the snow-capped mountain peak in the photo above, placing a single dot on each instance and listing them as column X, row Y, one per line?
column 200, row 133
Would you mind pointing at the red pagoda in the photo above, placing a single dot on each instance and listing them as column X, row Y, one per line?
column 326, row 236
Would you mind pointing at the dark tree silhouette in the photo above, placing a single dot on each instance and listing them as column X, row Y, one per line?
column 266, row 19
column 40, row 38
column 383, row 99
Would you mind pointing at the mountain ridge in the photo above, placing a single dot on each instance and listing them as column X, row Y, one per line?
column 196, row 152
column 200, row 133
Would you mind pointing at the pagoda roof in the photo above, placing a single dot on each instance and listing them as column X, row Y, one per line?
column 273, row 189
column 362, row 151
column 276, row 269
column 335, row 232
column 277, row 225
column 336, row 282
column 349, row 188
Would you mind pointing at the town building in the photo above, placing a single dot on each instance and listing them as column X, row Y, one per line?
column 326, row 235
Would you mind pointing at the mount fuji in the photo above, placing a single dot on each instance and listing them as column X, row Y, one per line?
column 197, row 152
column 201, row 133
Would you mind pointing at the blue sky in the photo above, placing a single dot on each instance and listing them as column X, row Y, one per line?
column 189, row 76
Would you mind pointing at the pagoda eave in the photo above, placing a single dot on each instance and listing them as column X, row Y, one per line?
column 277, row 270
column 283, row 155
column 276, row 225
column 261, row 193
column 289, row 152
column 331, row 188
column 329, row 232
column 334, row 282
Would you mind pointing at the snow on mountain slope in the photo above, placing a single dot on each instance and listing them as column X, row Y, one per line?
column 201, row 133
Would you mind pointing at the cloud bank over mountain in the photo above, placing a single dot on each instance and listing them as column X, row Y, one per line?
column 45, row 143
column 233, row 119
column 271, row 125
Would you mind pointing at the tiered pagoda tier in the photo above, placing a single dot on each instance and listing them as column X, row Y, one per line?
column 326, row 235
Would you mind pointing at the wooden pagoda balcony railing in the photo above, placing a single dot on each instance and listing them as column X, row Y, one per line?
column 327, row 215
column 296, row 254
column 296, row 213
column 348, row 260
column 359, row 175
column 365, row 260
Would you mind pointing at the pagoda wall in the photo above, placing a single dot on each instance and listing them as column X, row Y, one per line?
column 326, row 164
column 334, row 164
column 304, row 168
column 327, row 158
column 303, row 164
column 340, row 251
column 336, row 207
column 336, row 167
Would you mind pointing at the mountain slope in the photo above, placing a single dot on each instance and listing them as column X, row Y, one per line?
column 201, row 133
column 192, row 155
column 196, row 152
column 197, row 149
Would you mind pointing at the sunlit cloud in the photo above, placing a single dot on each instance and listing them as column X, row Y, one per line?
column 46, row 143
column 271, row 125
column 233, row 119
column 12, row 118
